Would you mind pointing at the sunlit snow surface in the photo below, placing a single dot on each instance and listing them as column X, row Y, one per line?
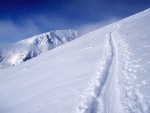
column 105, row 71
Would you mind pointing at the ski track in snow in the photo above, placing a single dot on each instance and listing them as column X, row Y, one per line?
column 93, row 102
column 104, row 93
column 110, row 92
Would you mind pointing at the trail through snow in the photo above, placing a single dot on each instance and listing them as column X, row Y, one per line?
column 104, row 92
column 110, row 92
column 103, row 95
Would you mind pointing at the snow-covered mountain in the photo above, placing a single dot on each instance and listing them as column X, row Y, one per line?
column 104, row 71
column 34, row 46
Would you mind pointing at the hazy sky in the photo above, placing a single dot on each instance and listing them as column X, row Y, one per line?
column 21, row 19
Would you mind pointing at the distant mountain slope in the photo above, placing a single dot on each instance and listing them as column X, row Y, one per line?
column 34, row 46
column 104, row 71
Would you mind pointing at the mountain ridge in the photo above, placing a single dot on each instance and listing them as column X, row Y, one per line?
column 31, row 47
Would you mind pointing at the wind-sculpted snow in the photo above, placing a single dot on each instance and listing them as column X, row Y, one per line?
column 105, row 71
column 34, row 46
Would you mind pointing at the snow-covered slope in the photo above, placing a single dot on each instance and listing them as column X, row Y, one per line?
column 31, row 47
column 105, row 71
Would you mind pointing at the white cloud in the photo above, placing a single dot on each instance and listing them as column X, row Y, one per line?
column 9, row 31
column 93, row 26
column 12, row 32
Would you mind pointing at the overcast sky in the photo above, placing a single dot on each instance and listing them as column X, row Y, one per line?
column 21, row 19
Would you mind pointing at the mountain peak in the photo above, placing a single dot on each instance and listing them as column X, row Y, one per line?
column 31, row 47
